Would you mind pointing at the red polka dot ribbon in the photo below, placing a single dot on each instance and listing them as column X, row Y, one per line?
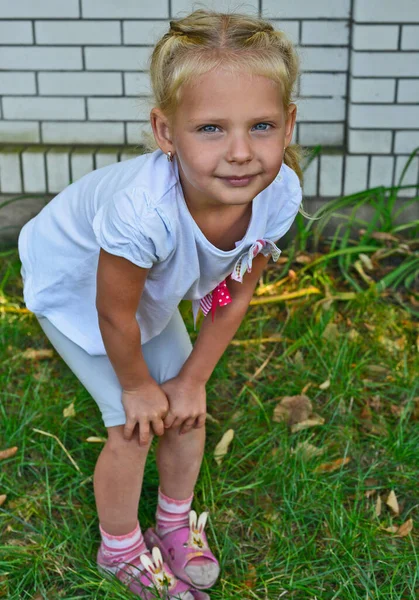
column 220, row 296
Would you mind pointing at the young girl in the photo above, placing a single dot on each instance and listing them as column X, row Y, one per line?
column 106, row 263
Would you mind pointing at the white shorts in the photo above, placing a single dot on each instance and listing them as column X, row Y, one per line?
column 164, row 355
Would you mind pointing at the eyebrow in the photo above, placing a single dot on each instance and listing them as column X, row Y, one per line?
column 273, row 117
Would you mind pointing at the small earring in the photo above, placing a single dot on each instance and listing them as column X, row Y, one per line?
column 169, row 156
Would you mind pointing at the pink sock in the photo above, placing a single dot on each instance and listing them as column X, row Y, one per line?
column 171, row 514
column 116, row 549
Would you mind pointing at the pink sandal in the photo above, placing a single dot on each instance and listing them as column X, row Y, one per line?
column 181, row 546
column 156, row 580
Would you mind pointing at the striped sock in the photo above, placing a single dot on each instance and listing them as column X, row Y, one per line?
column 171, row 514
column 117, row 549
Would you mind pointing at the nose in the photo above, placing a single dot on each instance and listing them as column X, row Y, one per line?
column 239, row 149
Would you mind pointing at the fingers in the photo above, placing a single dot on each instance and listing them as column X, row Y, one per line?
column 200, row 421
column 187, row 425
column 129, row 428
column 144, row 432
column 169, row 420
column 158, row 426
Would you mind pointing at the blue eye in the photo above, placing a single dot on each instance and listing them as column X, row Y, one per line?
column 204, row 129
column 264, row 125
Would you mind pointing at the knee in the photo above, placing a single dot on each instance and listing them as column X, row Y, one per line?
column 118, row 445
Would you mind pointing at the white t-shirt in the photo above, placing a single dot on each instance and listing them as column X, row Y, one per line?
column 135, row 209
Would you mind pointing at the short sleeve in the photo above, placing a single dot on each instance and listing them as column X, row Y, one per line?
column 128, row 227
column 286, row 202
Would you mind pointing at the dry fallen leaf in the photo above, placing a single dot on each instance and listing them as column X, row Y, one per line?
column 378, row 506
column 366, row 261
column 307, row 450
column 251, row 578
column 405, row 529
column 222, row 446
column 8, row 452
column 331, row 332
column 292, row 409
column 391, row 529
column 95, row 439
column 212, row 419
column 33, row 354
column 392, row 502
column 332, row 466
column 2, row 499
column 325, row 385
column 353, row 335
column 69, row 411
column 312, row 421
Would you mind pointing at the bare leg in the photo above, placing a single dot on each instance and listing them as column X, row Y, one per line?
column 117, row 481
column 179, row 459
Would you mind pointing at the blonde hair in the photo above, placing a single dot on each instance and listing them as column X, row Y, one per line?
column 205, row 40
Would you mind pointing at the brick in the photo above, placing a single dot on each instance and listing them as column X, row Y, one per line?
column 325, row 32
column 375, row 37
column 386, row 11
column 58, row 169
column 408, row 91
column 373, row 142
column 10, row 175
column 74, row 33
column 16, row 132
column 388, row 64
column 49, row 9
column 321, row 109
column 43, row 108
column 106, row 156
column 81, row 162
column 372, row 90
column 139, row 133
column 410, row 37
column 31, row 57
column 180, row 7
column 324, row 59
column 125, row 9
column 306, row 9
column 331, row 175
column 406, row 141
column 17, row 83
column 410, row 178
column 310, row 185
column 290, row 28
column 144, row 32
column 137, row 84
column 323, row 84
column 16, row 32
column 329, row 134
column 81, row 83
column 114, row 109
column 381, row 171
column 82, row 133
column 33, row 162
column 117, row 59
column 380, row 117
column 356, row 171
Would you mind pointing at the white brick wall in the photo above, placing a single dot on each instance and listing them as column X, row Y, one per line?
column 75, row 72
column 410, row 37
column 386, row 11
column 76, row 33
column 373, row 90
column 375, row 37
column 16, row 32
column 125, row 9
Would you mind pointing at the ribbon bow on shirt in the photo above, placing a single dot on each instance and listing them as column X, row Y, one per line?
column 220, row 295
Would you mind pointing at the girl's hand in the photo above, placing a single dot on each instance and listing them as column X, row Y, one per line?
column 144, row 405
column 187, row 404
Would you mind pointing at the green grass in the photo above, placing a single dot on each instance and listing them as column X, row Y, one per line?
column 280, row 528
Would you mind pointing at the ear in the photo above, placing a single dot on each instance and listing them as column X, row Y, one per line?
column 161, row 130
column 290, row 123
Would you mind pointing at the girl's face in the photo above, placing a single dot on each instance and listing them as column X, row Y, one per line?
column 228, row 134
